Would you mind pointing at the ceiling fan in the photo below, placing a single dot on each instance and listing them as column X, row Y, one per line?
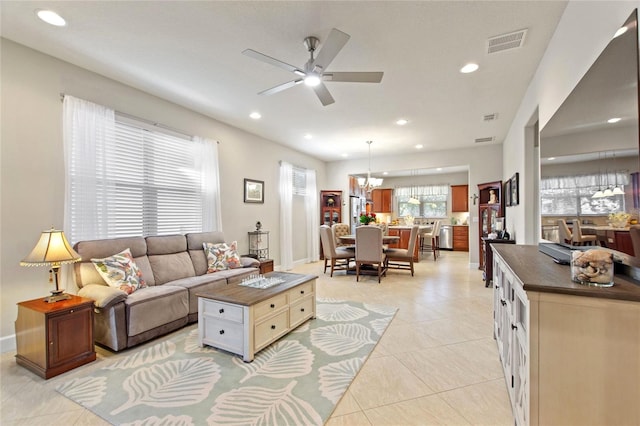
column 314, row 72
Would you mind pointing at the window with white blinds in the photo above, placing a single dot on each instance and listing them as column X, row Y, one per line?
column 299, row 181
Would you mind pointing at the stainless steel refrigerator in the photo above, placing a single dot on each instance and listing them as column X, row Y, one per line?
column 357, row 205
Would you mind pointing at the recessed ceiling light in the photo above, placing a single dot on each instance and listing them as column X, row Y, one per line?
column 613, row 120
column 51, row 17
column 402, row 122
column 385, row 173
column 308, row 136
column 469, row 68
column 419, row 146
column 345, row 154
column 255, row 115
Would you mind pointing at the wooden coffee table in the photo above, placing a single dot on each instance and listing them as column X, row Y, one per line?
column 244, row 320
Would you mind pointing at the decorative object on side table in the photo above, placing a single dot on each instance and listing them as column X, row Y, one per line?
column 259, row 244
column 52, row 250
column 253, row 191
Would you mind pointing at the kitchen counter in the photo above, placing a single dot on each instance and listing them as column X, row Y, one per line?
column 538, row 272
column 420, row 227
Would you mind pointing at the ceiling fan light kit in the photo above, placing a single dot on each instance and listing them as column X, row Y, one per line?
column 313, row 73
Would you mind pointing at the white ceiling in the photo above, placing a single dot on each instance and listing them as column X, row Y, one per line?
column 190, row 53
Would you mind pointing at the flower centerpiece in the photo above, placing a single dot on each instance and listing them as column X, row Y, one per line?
column 367, row 218
column 619, row 220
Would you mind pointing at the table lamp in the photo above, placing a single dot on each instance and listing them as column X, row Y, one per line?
column 52, row 250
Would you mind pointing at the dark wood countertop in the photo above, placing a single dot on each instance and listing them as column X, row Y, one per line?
column 538, row 272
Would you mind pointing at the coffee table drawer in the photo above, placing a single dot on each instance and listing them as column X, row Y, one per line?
column 301, row 291
column 224, row 335
column 222, row 310
column 301, row 311
column 271, row 329
column 270, row 306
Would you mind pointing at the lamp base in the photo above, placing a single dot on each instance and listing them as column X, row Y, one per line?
column 57, row 296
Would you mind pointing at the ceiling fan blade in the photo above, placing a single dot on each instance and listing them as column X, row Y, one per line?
column 323, row 94
column 272, row 61
column 330, row 48
column 353, row 77
column 280, row 87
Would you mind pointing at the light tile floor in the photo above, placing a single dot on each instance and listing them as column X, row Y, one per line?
column 437, row 363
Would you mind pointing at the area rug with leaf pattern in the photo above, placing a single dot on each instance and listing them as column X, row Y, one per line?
column 297, row 380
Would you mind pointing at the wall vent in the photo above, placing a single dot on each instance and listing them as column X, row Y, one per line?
column 490, row 117
column 482, row 140
column 504, row 42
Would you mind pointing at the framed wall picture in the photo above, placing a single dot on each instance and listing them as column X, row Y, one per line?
column 507, row 193
column 514, row 190
column 253, row 191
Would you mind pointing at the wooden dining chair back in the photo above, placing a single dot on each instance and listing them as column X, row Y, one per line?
column 338, row 259
column 403, row 258
column 338, row 230
column 578, row 238
column 369, row 250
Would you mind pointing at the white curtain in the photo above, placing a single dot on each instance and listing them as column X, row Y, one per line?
column 286, row 209
column 87, row 127
column 311, row 209
column 207, row 157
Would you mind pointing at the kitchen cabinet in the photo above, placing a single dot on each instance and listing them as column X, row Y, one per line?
column 354, row 188
column 460, row 238
column 569, row 352
column 459, row 198
column 382, row 200
column 404, row 233
column 487, row 272
column 53, row 338
column 490, row 207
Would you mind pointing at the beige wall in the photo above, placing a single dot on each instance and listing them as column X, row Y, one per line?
column 582, row 33
column 32, row 168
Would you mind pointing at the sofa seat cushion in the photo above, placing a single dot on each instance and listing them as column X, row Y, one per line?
column 201, row 284
column 152, row 307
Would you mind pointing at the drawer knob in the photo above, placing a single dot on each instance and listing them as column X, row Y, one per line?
column 502, row 301
column 273, row 327
column 514, row 327
column 221, row 311
column 221, row 331
column 301, row 291
column 272, row 305
column 302, row 310
column 71, row 311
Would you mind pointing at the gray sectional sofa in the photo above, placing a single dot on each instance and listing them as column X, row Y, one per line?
column 175, row 270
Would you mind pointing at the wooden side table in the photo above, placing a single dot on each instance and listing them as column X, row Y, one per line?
column 266, row 265
column 53, row 338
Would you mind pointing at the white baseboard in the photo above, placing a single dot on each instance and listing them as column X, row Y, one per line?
column 474, row 265
column 8, row 343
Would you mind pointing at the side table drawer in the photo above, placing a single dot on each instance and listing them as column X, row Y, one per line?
column 271, row 329
column 220, row 310
column 224, row 335
column 300, row 292
column 270, row 306
column 301, row 311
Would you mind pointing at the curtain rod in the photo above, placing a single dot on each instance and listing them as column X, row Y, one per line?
column 149, row 122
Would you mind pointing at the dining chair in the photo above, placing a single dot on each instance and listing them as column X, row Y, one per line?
column 338, row 230
column 578, row 238
column 340, row 259
column 434, row 237
column 564, row 233
column 369, row 250
column 403, row 258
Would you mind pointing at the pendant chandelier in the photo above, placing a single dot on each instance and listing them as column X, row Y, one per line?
column 369, row 183
column 412, row 199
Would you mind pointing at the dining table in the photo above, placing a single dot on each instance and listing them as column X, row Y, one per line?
column 386, row 239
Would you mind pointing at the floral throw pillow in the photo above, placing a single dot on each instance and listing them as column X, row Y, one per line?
column 222, row 256
column 120, row 271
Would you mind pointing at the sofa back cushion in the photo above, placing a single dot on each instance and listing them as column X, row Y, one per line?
column 86, row 273
column 195, row 246
column 169, row 258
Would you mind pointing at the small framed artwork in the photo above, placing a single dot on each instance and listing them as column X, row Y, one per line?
column 514, row 190
column 507, row 193
column 253, row 191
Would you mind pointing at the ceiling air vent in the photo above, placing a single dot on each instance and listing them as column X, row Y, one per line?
column 504, row 42
column 490, row 117
column 482, row 140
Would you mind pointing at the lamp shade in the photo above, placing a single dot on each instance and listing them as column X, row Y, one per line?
column 52, row 249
